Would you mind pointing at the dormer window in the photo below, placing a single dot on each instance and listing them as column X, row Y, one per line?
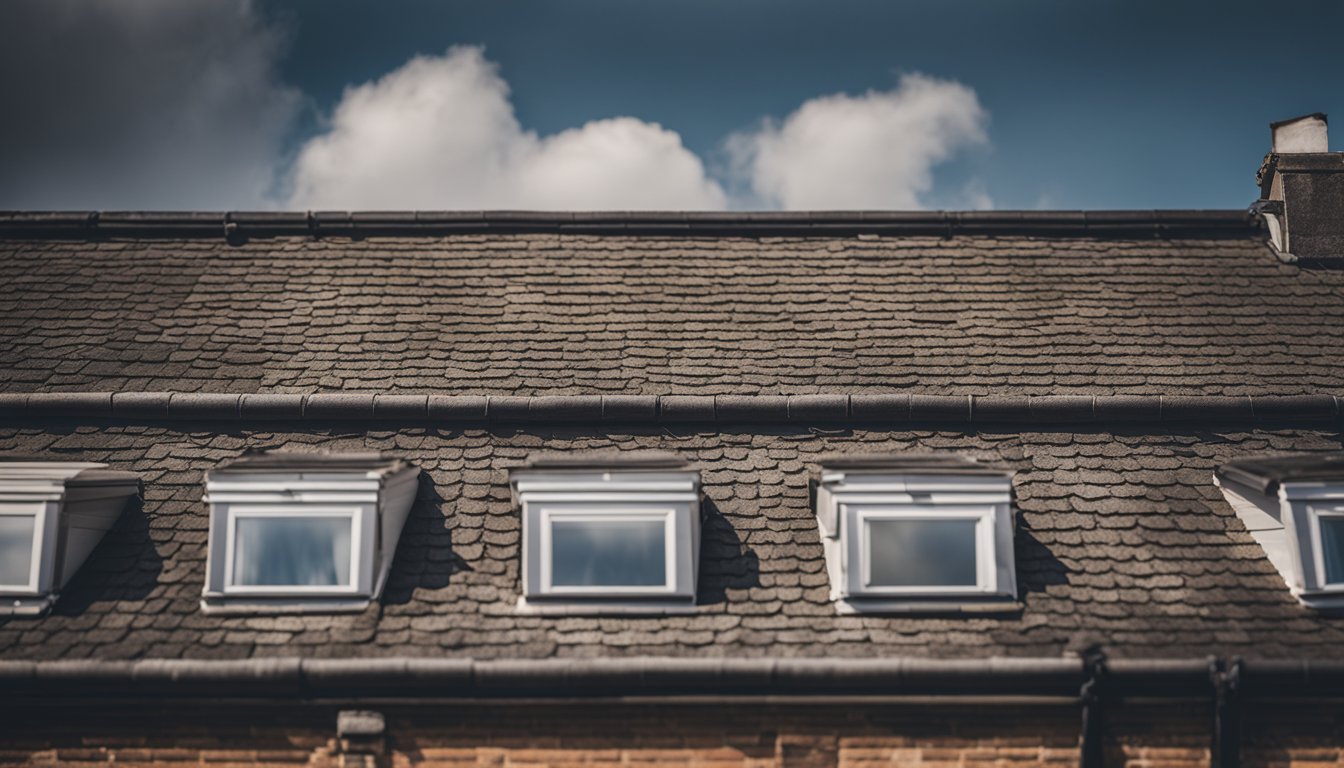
column 52, row 515
column 1293, row 506
column 296, row 532
column 917, row 533
column 609, row 534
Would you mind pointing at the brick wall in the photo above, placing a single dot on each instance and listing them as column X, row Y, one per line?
column 711, row 736
column 745, row 734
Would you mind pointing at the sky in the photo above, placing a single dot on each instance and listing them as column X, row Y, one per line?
column 654, row 104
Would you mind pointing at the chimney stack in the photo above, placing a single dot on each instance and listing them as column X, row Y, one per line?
column 1302, row 190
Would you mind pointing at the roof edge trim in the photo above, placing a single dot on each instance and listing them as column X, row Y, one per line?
column 650, row 676
column 1048, row 411
column 239, row 226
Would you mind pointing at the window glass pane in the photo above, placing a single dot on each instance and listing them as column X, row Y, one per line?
column 608, row 553
column 16, row 549
column 291, row 551
column 1332, row 547
column 921, row 553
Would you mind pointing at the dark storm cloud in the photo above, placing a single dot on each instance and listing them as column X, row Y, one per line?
column 153, row 104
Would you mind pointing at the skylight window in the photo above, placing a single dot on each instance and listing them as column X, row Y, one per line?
column 52, row 515
column 917, row 533
column 609, row 535
column 294, row 532
column 1293, row 506
column 18, row 539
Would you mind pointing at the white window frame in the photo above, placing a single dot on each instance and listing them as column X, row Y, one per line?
column 236, row 511
column 861, row 546
column 1315, row 513
column 36, row 510
column 614, row 493
column 618, row 512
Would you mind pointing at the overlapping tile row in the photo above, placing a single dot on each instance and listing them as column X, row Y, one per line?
column 325, row 408
column 555, row 314
column 1123, row 541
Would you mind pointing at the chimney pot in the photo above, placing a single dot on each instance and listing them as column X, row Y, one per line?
column 1300, row 135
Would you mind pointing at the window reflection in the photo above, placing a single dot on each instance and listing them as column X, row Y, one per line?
column 291, row 551
column 921, row 553
column 16, row 549
column 1332, row 547
column 624, row 553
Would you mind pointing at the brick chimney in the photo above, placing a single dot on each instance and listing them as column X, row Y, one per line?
column 1302, row 190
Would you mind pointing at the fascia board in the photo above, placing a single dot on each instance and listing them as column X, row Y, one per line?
column 58, row 471
column 273, row 484
column 869, row 496
column 1308, row 491
column 310, row 497
column 609, row 497
column 8, row 494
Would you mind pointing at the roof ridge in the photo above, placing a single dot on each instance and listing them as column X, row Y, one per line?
column 240, row 225
column 663, row 410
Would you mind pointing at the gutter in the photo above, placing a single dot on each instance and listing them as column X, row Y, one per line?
column 300, row 678
column 239, row 226
column 838, row 410
column 1093, row 683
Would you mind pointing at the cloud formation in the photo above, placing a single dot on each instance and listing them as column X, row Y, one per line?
column 440, row 132
column 153, row 104
column 161, row 104
column 875, row 151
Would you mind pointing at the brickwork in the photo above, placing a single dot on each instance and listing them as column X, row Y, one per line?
column 1304, row 735
column 711, row 736
column 744, row 735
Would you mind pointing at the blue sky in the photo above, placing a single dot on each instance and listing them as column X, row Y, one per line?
column 1031, row 104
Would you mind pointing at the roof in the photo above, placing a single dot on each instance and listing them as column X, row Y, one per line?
column 1123, row 540
column 1041, row 304
column 1266, row 473
column 1110, row 361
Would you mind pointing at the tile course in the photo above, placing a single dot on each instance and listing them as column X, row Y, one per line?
column 1123, row 539
column 585, row 314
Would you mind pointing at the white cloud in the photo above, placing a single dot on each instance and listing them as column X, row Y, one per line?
column 119, row 104
column 875, row 151
column 163, row 104
column 440, row 132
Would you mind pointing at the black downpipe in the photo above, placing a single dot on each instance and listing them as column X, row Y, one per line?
column 1094, row 667
column 1226, row 747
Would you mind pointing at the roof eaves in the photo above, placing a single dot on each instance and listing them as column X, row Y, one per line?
column 664, row 410
column 241, row 225
column 654, row 677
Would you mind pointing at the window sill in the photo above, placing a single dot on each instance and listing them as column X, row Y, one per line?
column 1322, row 602
column 949, row 606
column 26, row 606
column 279, row 606
column 603, row 607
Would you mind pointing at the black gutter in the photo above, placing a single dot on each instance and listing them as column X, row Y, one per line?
column 240, row 226
column 300, row 678
column 954, row 411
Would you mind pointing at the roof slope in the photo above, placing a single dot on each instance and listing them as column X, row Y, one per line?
column 689, row 313
column 1123, row 540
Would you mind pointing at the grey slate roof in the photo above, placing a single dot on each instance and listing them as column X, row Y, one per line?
column 852, row 335
column 1124, row 541
column 551, row 313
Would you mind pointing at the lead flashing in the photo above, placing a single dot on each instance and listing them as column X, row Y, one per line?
column 959, row 411
column 241, row 225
